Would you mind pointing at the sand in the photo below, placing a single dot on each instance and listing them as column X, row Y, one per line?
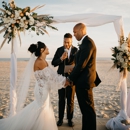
column 106, row 98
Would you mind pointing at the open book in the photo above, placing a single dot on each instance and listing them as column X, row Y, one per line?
column 68, row 68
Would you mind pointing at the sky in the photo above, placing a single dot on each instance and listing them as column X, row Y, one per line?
column 104, row 36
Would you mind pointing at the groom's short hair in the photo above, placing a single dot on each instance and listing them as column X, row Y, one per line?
column 67, row 35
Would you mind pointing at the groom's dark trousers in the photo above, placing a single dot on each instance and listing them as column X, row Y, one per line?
column 68, row 92
column 84, row 77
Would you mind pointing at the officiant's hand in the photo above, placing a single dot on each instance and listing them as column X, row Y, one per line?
column 64, row 56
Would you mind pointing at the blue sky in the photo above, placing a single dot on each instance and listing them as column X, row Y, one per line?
column 104, row 36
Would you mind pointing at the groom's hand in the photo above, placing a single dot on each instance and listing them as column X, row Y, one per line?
column 70, row 70
column 67, row 83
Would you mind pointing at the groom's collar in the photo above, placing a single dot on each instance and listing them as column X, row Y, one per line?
column 80, row 42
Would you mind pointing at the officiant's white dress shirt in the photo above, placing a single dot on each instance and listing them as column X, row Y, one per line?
column 69, row 52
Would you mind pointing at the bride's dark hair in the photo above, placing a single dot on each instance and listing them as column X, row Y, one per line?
column 36, row 48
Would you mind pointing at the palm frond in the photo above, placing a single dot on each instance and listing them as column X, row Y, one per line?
column 40, row 6
column 7, row 35
column 3, row 30
column 2, row 24
column 37, row 7
column 41, row 16
column 34, row 8
column 2, row 10
column 44, row 30
column 113, row 67
column 52, row 27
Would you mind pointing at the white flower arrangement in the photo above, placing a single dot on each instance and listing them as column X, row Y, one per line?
column 15, row 20
column 121, row 55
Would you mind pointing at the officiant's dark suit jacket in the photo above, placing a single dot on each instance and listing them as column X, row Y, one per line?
column 61, row 64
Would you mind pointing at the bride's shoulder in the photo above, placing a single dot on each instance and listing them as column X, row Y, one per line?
column 39, row 65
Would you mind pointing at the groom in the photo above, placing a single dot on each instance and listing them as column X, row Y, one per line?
column 84, row 76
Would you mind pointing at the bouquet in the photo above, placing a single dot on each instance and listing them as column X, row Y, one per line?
column 14, row 20
column 121, row 55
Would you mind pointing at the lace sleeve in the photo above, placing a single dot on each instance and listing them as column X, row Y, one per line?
column 48, row 78
column 57, row 81
column 41, row 91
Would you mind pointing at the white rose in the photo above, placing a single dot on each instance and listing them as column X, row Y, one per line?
column 120, row 57
column 26, row 26
column 117, row 57
column 31, row 23
column 124, row 46
column 27, row 13
column 21, row 20
column 31, row 18
column 6, row 25
column 16, row 14
column 24, row 18
column 9, row 30
column 121, row 60
column 9, row 24
column 6, row 20
column 19, row 11
column 12, row 21
column 120, row 53
column 22, row 24
column 9, row 13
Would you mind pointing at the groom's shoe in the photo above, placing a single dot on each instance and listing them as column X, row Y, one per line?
column 59, row 123
column 70, row 123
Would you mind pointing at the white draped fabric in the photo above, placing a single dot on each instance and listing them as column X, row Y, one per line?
column 124, row 114
column 93, row 20
column 13, row 77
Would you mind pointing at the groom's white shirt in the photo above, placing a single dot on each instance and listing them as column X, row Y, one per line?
column 80, row 42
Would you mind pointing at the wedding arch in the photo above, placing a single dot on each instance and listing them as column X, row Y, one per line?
column 89, row 19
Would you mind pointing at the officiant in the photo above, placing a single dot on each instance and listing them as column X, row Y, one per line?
column 64, row 59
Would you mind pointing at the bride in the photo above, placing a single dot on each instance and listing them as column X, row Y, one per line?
column 39, row 114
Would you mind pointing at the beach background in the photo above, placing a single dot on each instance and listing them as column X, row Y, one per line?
column 106, row 98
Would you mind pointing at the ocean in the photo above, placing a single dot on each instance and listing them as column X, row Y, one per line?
column 49, row 59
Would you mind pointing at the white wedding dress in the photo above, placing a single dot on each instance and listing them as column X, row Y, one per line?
column 39, row 114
